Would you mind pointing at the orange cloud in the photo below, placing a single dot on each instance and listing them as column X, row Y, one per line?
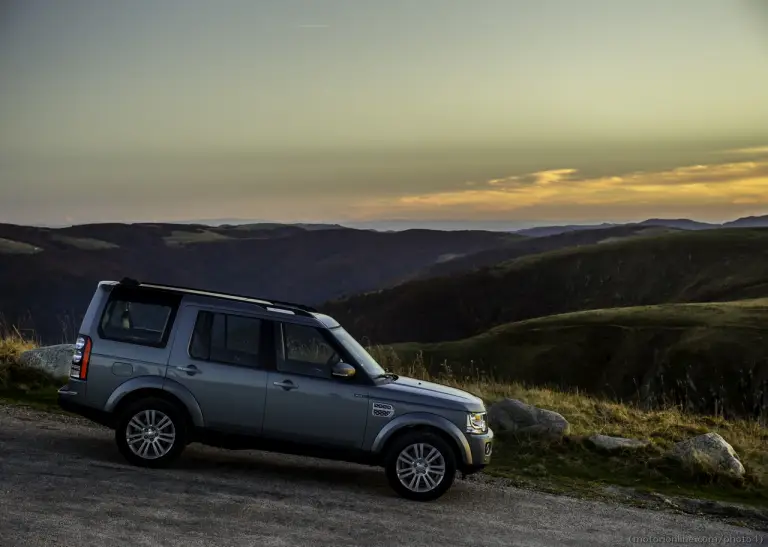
column 743, row 183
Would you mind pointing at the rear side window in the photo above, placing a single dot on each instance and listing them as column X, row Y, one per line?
column 228, row 339
column 138, row 317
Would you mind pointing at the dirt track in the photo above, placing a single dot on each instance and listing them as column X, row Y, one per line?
column 62, row 482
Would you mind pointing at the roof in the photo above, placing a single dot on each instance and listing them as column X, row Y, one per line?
column 269, row 304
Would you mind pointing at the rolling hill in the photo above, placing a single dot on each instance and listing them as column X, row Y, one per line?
column 697, row 266
column 709, row 357
column 516, row 248
column 49, row 274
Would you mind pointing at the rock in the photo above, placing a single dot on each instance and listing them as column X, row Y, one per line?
column 710, row 450
column 55, row 360
column 513, row 416
column 616, row 443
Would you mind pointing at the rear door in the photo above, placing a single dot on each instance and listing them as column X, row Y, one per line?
column 130, row 329
column 220, row 357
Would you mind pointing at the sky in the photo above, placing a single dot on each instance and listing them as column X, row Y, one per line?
column 535, row 111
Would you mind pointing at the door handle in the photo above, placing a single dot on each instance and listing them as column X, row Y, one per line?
column 191, row 370
column 286, row 385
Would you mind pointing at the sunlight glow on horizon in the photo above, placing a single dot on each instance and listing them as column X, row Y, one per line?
column 734, row 183
column 299, row 110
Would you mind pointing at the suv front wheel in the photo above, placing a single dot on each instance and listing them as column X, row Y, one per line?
column 151, row 432
column 421, row 466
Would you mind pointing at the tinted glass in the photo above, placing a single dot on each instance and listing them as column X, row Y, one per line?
column 360, row 354
column 306, row 351
column 136, row 322
column 225, row 338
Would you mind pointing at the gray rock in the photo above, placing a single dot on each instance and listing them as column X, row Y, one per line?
column 55, row 360
column 511, row 415
column 616, row 443
column 711, row 451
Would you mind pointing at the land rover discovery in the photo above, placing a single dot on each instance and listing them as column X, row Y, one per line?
column 166, row 366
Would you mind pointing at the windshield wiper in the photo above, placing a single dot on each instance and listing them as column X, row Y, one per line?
column 390, row 375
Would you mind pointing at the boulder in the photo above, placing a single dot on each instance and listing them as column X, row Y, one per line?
column 711, row 451
column 55, row 360
column 513, row 416
column 605, row 442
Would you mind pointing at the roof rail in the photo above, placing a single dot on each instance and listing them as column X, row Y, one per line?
column 266, row 301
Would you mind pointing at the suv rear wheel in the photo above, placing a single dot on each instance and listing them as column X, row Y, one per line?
column 421, row 466
column 151, row 432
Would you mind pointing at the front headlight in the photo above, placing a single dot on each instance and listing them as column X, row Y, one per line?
column 476, row 422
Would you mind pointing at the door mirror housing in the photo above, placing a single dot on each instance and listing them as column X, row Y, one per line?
column 343, row 370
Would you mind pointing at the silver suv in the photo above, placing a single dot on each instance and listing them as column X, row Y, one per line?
column 167, row 366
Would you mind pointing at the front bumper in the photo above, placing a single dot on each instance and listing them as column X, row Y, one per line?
column 481, row 448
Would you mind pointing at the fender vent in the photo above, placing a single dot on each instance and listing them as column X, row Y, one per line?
column 383, row 410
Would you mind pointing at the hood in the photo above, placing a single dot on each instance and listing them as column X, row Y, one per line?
column 422, row 392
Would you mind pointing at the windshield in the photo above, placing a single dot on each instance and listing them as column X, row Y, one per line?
column 358, row 352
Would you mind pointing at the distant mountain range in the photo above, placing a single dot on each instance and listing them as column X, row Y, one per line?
column 677, row 223
column 49, row 273
column 530, row 229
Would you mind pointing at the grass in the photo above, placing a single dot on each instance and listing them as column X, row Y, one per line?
column 185, row 237
column 570, row 465
column 573, row 465
column 85, row 243
column 9, row 246
column 709, row 357
column 19, row 383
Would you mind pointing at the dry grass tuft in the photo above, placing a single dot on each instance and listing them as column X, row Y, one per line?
column 17, row 379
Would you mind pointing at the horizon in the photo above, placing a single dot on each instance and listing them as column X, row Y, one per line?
column 530, row 114
column 394, row 225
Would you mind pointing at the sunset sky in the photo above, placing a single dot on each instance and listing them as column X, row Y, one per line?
column 536, row 111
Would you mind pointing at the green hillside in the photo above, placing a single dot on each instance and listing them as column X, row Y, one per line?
column 701, row 266
column 706, row 357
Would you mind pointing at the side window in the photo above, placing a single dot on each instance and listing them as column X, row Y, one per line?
column 137, row 319
column 228, row 339
column 305, row 351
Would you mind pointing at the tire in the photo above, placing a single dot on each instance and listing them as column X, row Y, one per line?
column 162, row 445
column 434, row 447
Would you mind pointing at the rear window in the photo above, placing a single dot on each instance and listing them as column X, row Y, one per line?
column 138, row 318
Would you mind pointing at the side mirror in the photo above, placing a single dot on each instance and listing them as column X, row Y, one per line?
column 343, row 370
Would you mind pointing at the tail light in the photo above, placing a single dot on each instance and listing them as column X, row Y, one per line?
column 81, row 358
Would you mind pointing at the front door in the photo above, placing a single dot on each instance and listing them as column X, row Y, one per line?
column 305, row 404
column 220, row 358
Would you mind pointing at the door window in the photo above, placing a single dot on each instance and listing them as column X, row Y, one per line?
column 226, row 338
column 305, row 351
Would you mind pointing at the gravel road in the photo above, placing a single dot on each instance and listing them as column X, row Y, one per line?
column 62, row 482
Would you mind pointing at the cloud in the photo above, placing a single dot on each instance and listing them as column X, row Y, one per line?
column 686, row 187
column 312, row 26
column 754, row 150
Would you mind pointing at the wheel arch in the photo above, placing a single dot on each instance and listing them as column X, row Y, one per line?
column 433, row 423
column 154, row 386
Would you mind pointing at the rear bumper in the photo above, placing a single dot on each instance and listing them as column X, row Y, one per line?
column 69, row 397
